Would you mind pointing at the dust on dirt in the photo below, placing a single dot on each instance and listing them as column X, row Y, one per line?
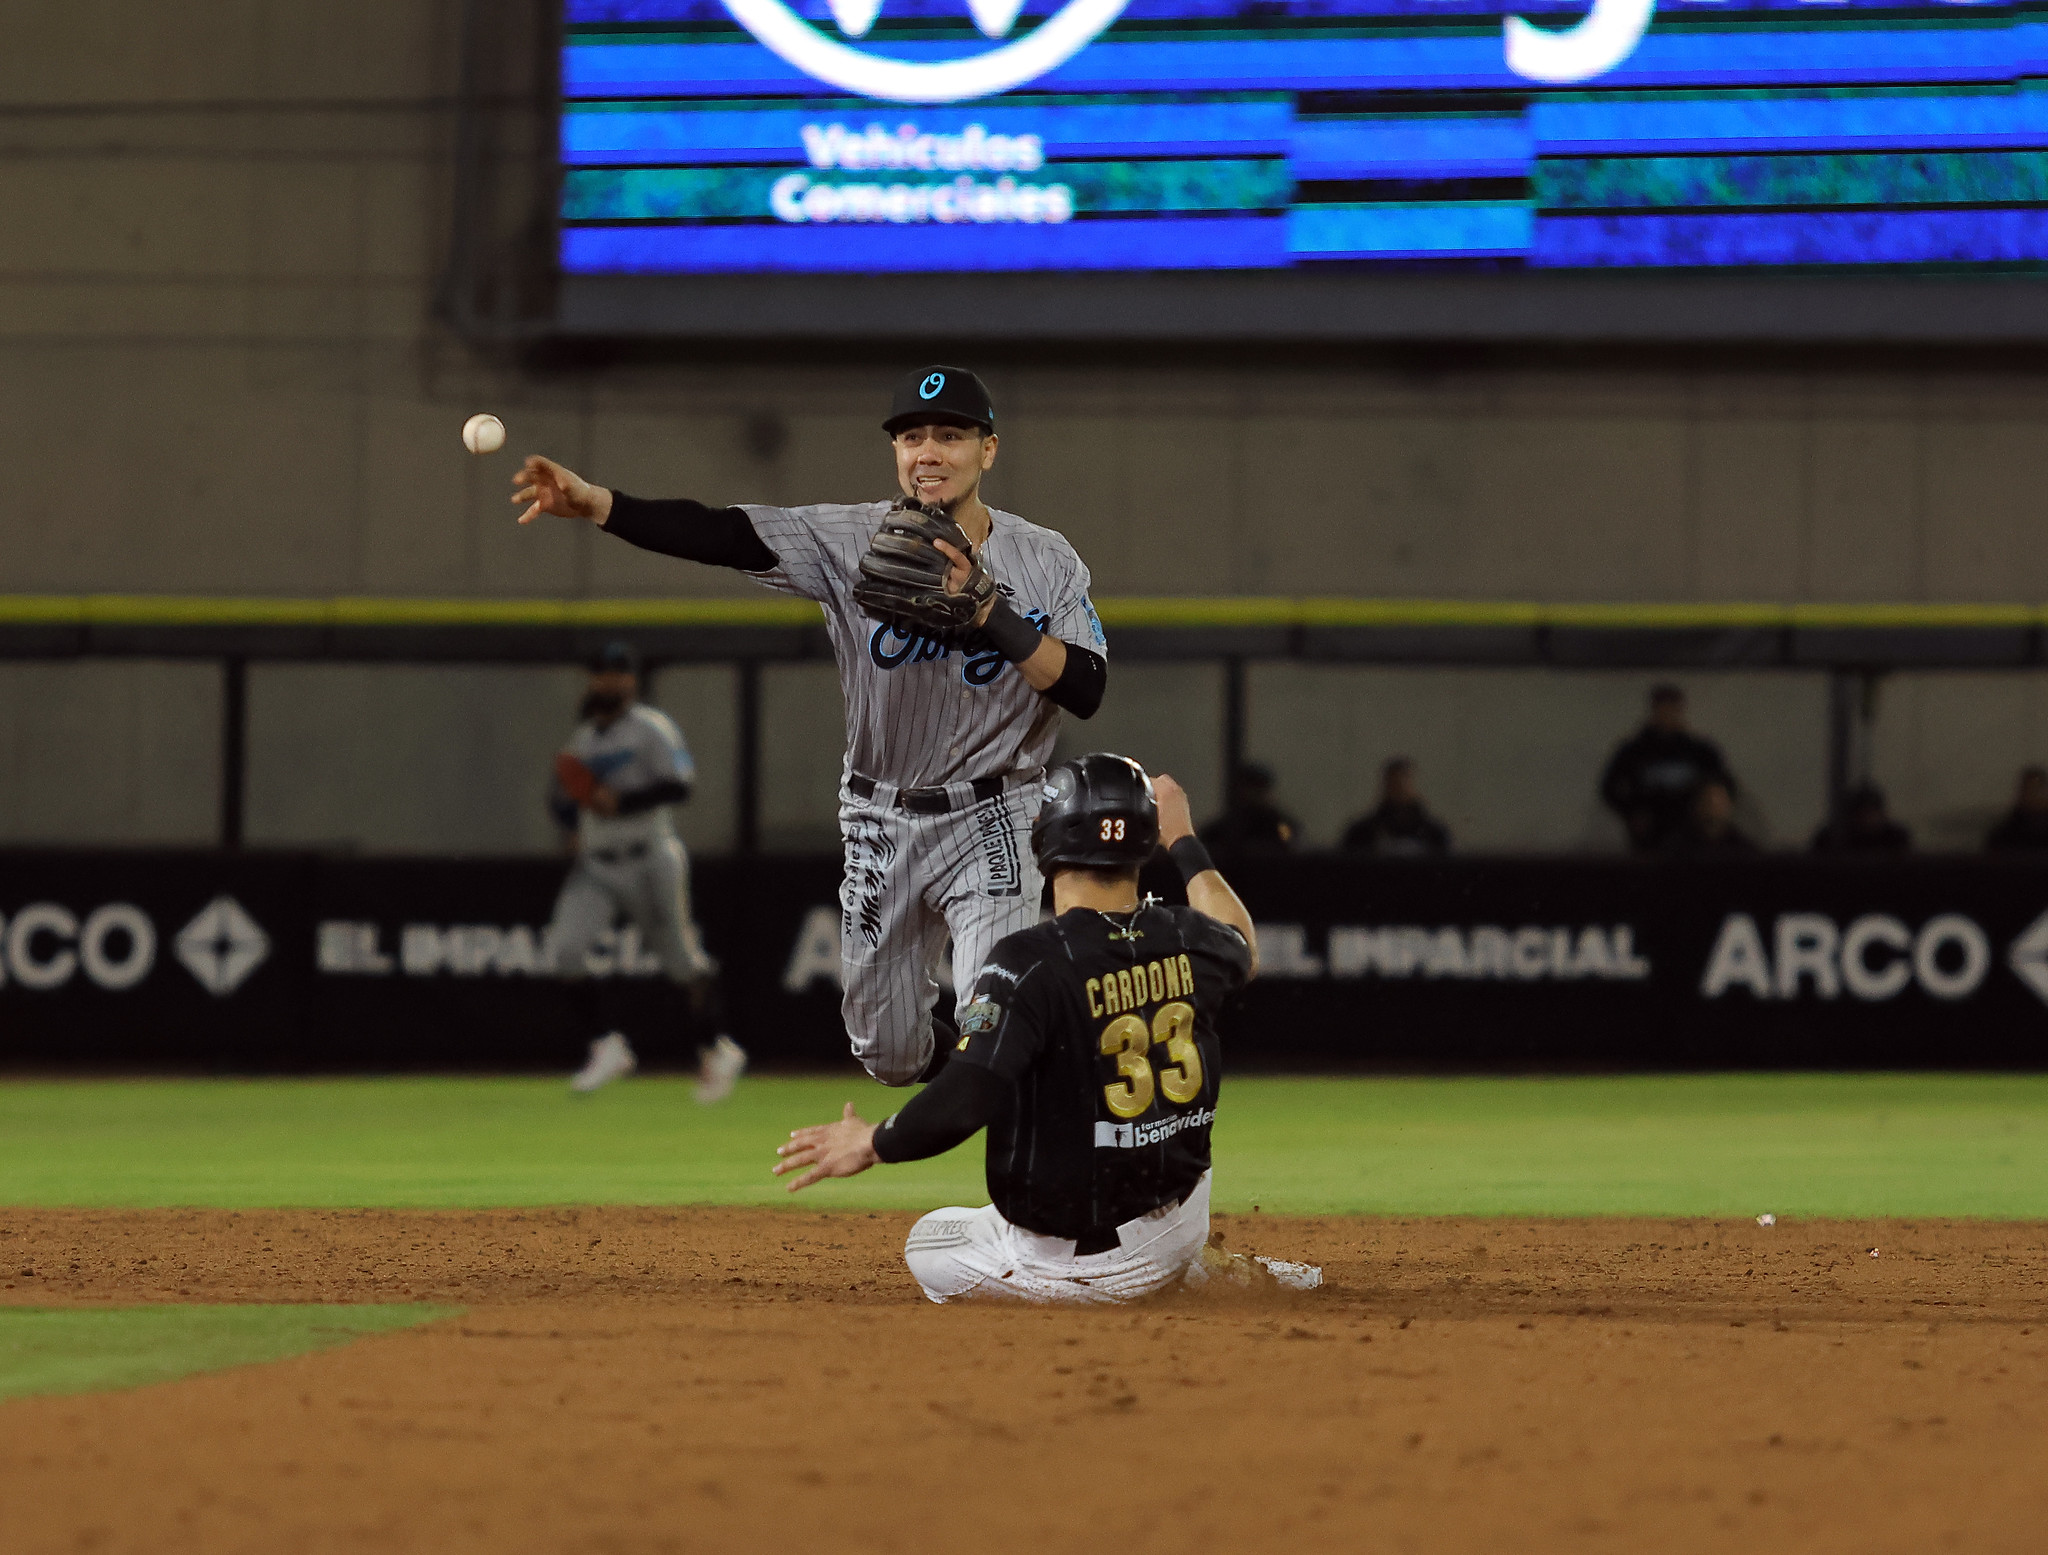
column 705, row 1379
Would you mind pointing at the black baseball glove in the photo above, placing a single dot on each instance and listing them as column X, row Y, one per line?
column 903, row 576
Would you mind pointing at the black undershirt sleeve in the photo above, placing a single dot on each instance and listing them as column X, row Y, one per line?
column 963, row 1100
column 665, row 791
column 1082, row 682
column 721, row 537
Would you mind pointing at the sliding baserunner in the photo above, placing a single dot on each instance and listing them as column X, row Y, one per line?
column 1090, row 1053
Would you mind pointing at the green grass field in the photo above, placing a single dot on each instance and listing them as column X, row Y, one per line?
column 1814, row 1145
column 88, row 1349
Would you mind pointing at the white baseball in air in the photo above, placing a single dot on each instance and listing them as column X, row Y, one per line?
column 483, row 434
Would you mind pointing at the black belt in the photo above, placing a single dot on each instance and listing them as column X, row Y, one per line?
column 619, row 855
column 925, row 801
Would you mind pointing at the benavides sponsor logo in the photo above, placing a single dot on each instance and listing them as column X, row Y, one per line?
column 1136, row 1136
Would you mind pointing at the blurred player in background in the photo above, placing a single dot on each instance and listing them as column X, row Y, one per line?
column 615, row 781
column 948, row 731
column 1091, row 1054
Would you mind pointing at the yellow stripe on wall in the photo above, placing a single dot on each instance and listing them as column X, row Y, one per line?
column 84, row 610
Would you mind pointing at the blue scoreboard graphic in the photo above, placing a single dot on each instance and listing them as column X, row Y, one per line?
column 822, row 136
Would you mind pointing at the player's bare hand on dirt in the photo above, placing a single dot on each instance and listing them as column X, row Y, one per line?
column 1175, row 819
column 842, row 1149
column 548, row 487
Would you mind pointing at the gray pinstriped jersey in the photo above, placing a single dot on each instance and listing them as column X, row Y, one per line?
column 918, row 713
column 642, row 746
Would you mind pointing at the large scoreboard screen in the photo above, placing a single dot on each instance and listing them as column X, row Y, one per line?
column 919, row 136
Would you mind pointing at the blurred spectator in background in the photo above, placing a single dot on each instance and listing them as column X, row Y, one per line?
column 1251, row 822
column 1709, row 829
column 1651, row 780
column 1399, row 826
column 1862, row 825
column 2025, row 827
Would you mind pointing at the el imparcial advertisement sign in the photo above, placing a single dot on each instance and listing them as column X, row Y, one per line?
column 292, row 962
column 919, row 136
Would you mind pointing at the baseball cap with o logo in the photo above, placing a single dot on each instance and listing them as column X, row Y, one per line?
column 949, row 394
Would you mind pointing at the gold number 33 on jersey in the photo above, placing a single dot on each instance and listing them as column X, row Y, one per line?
column 1130, row 1040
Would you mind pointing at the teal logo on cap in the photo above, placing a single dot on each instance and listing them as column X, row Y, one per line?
column 929, row 389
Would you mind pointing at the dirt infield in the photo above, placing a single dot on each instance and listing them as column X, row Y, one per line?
column 629, row 1380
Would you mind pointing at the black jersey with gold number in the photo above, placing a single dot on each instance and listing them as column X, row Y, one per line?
column 1104, row 1025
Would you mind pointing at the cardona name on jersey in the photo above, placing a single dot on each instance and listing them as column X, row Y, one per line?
column 1136, row 1136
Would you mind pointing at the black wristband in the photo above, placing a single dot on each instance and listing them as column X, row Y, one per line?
column 1190, row 858
column 1015, row 638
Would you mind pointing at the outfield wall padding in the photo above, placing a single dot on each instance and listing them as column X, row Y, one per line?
column 259, row 963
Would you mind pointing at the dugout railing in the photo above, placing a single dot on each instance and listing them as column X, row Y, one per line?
column 1854, row 644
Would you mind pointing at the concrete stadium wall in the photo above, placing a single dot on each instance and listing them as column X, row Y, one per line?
column 220, row 373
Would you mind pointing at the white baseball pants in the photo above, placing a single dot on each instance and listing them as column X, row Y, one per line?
column 976, row 1255
column 911, row 880
column 650, row 890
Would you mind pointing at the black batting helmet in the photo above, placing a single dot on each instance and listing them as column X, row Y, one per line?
column 1099, row 813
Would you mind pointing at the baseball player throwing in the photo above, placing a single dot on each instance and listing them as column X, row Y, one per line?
column 961, row 632
column 1089, row 1052
column 622, row 771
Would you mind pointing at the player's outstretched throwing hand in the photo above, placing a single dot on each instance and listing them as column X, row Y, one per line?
column 549, row 487
column 842, row 1149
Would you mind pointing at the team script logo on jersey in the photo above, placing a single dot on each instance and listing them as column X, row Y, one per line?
column 890, row 647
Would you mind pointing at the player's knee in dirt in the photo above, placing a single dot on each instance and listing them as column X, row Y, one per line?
column 934, row 1250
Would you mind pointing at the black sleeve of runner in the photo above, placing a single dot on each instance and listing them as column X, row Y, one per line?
column 1082, row 682
column 964, row 1099
column 721, row 537
column 667, row 791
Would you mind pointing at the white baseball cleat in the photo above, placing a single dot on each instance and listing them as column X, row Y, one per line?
column 719, row 1069
column 1292, row 1276
column 1249, row 1272
column 610, row 1059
